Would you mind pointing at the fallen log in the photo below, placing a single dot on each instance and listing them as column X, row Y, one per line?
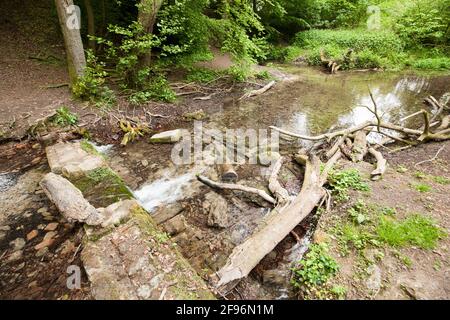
column 69, row 200
column 238, row 187
column 381, row 165
column 278, row 224
column 258, row 91
column 359, row 146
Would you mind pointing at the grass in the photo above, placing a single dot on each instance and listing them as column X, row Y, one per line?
column 417, row 230
column 421, row 187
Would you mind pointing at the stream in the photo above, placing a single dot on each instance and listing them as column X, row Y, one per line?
column 311, row 102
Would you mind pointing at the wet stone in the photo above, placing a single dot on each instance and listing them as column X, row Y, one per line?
column 32, row 234
column 17, row 244
column 51, row 226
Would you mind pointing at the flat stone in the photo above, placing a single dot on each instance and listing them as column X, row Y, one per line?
column 45, row 243
column 144, row 163
column 17, row 244
column 167, row 212
column 51, row 226
column 217, row 208
column 175, row 225
column 32, row 234
column 50, row 235
column 16, row 255
column 70, row 159
column 5, row 228
column 373, row 282
column 171, row 136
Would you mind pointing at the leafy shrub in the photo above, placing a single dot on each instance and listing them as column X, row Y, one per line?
column 315, row 269
column 426, row 22
column 64, row 117
column 201, row 75
column 342, row 181
column 439, row 63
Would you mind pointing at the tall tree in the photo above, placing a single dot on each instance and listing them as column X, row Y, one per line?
column 148, row 10
column 70, row 27
column 91, row 22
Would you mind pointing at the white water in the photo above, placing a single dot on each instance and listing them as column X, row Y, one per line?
column 163, row 191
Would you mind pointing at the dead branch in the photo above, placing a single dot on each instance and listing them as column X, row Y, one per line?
column 432, row 159
column 258, row 91
column 275, row 187
column 381, row 165
column 231, row 186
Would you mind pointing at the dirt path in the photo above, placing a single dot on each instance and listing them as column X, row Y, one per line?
column 31, row 58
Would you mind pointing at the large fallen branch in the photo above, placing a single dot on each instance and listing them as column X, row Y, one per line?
column 275, row 187
column 258, row 91
column 278, row 224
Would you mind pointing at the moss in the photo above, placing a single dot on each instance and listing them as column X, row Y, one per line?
column 89, row 148
column 103, row 187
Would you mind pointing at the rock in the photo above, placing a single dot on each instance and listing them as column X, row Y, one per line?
column 42, row 252
column 45, row 243
column 175, row 225
column 166, row 212
column 51, row 226
column 71, row 160
column 144, row 163
column 195, row 115
column 2, row 235
column 16, row 255
column 17, row 244
column 217, row 211
column 115, row 213
column 32, row 234
column 275, row 277
column 41, row 226
column 69, row 200
column 5, row 228
column 167, row 136
column 49, row 235
column 373, row 282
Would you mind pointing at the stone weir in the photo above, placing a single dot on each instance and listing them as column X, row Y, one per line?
column 125, row 254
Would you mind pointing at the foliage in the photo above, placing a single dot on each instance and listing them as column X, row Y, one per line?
column 315, row 269
column 92, row 85
column 201, row 75
column 64, row 117
column 132, row 131
column 415, row 230
column 425, row 23
column 341, row 181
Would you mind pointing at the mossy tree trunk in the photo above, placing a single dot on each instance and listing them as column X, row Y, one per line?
column 70, row 27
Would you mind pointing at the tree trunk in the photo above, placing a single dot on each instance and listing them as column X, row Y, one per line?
column 148, row 9
column 70, row 27
column 91, row 22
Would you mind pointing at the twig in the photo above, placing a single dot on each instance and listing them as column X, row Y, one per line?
column 432, row 159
